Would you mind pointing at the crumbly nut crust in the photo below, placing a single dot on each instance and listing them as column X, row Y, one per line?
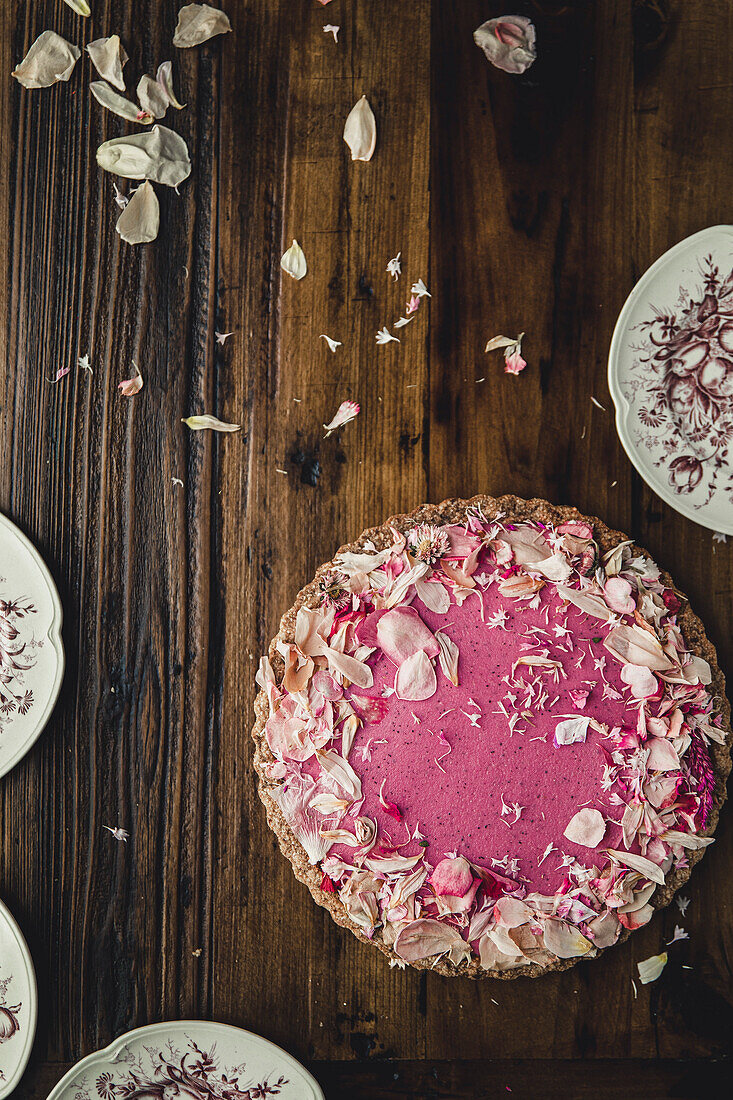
column 454, row 511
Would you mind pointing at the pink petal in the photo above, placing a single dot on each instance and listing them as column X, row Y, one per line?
column 511, row 912
column 347, row 411
column 514, row 363
column 401, row 633
column 641, row 680
column 389, row 807
column 416, row 678
column 453, row 877
column 634, row 646
column 368, row 708
column 662, row 755
column 423, row 938
column 618, row 591
column 587, row 827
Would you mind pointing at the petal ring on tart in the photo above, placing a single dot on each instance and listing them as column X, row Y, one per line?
column 488, row 737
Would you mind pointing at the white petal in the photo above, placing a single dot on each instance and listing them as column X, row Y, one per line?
column 198, row 23
column 140, row 220
column 108, row 56
column 50, row 59
column 294, row 262
column 117, row 103
column 201, row 423
column 159, row 155
column 360, row 131
column 152, row 97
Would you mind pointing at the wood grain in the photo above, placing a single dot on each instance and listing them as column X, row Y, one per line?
column 527, row 203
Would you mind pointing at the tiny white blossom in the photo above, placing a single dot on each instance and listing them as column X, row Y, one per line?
column 117, row 832
column 394, row 267
column 420, row 290
column 331, row 29
column 679, row 934
column 384, row 336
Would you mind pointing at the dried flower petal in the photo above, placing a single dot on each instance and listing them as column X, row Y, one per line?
column 587, row 827
column 360, row 131
column 50, row 59
column 108, row 57
column 421, row 939
column 60, row 373
column 420, row 289
column 330, row 28
column 139, row 222
column 152, row 97
column 159, row 155
column 416, row 678
column 508, row 42
column 81, row 8
column 346, row 412
column 198, row 23
column 294, row 262
column 201, row 423
column 639, row 863
column 394, row 267
column 651, row 968
column 117, row 103
column 333, row 344
column 164, row 77
column 133, row 385
column 571, row 730
column 384, row 336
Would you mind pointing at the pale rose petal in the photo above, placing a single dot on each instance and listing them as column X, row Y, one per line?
column 448, row 657
column 294, row 263
column 662, row 755
column 639, row 863
column 360, row 131
column 434, row 595
column 511, row 912
column 632, row 645
column 108, row 57
column 641, row 680
column 586, row 827
column 589, row 602
column 650, row 969
column 50, row 59
column 618, row 591
column 347, row 411
column 564, row 940
column 159, row 155
column 355, row 671
column 452, row 876
column 508, row 42
column 131, row 386
column 212, row 423
column 571, row 730
column 401, row 633
column 198, row 23
column 139, row 222
column 421, row 939
column 416, row 678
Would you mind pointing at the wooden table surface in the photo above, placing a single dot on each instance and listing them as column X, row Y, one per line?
column 525, row 203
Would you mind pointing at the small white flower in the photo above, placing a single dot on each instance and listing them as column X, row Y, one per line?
column 331, row 29
column 333, row 344
column 420, row 290
column 679, row 934
column 384, row 336
column 394, row 267
column 222, row 337
column 117, row 832
column 718, row 536
column 682, row 904
column 83, row 363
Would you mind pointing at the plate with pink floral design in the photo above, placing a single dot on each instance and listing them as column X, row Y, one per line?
column 31, row 652
column 670, row 372
column 18, row 1003
column 188, row 1060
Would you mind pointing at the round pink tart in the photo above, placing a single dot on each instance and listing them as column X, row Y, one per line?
column 492, row 738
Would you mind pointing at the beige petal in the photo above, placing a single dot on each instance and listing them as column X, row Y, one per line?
column 152, row 97
column 139, row 222
column 117, row 103
column 159, row 155
column 108, row 56
column 164, row 76
column 198, row 23
column 50, row 59
column 201, row 423
column 79, row 6
column 360, row 131
column 294, row 262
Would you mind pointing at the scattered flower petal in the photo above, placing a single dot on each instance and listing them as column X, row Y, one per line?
column 508, row 42
column 50, row 59
column 108, row 57
column 333, row 344
column 294, row 262
column 586, row 827
column 384, row 336
column 133, row 385
column 682, row 903
column 222, row 337
column 164, row 77
column 597, row 404
column 60, row 373
column 403, row 321
column 152, row 97
column 394, row 267
column 360, row 131
column 571, row 730
column 118, row 104
column 412, row 305
column 420, row 289
column 679, row 934
column 651, row 968
column 331, row 29
column 83, row 363
column 139, row 222
column 347, row 411
column 201, row 423
column 117, row 832
column 81, row 8
column 159, row 155
column 198, row 23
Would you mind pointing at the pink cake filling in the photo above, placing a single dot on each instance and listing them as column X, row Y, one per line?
column 454, row 790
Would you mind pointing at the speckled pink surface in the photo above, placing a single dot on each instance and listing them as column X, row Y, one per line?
column 459, row 809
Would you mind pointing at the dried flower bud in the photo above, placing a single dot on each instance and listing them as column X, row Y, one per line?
column 360, row 131
column 508, row 42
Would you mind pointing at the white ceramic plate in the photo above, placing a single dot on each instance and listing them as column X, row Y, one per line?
column 31, row 653
column 18, row 1003
column 189, row 1060
column 670, row 372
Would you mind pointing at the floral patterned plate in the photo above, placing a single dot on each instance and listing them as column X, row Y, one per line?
column 31, row 653
column 188, row 1060
column 18, row 1003
column 670, row 372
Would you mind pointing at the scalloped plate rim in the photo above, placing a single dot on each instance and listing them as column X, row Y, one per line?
column 53, row 636
column 7, row 1087
column 623, row 407
column 164, row 1028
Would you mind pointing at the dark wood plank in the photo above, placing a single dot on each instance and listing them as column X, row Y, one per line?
column 529, row 203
